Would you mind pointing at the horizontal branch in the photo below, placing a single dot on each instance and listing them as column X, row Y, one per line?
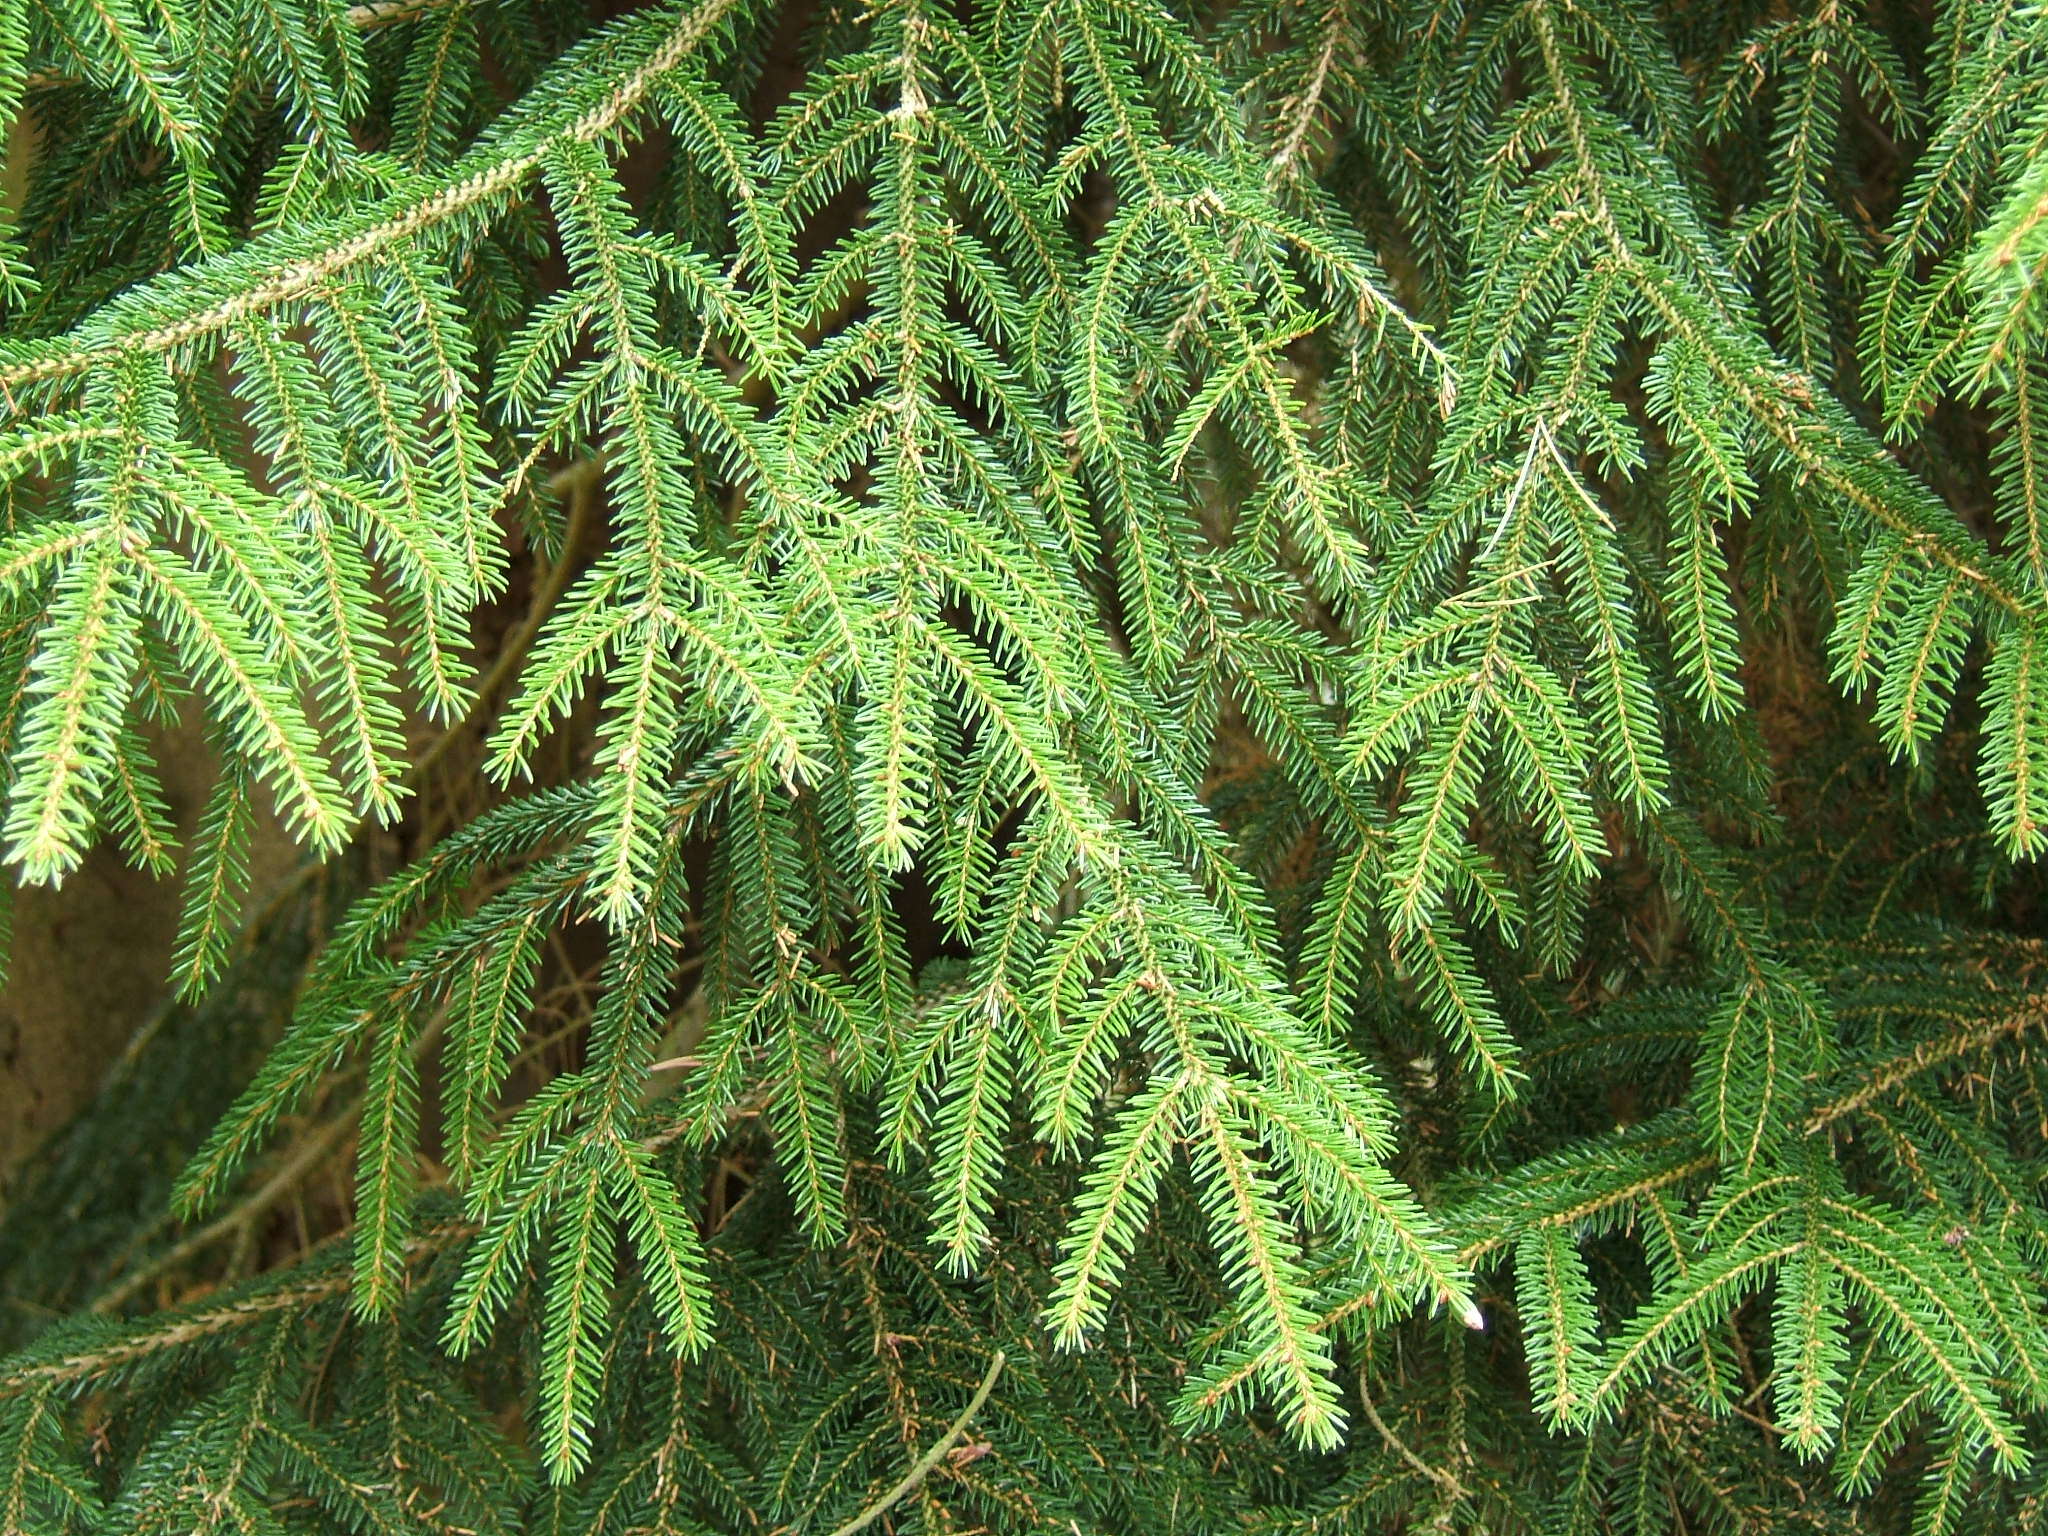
column 110, row 1349
column 1940, row 1051
column 486, row 172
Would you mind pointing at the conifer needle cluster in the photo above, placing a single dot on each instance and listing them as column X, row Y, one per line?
column 1261, row 767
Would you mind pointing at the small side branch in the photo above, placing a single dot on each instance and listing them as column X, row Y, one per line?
column 932, row 1457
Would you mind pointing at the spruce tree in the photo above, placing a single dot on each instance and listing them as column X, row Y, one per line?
column 1102, row 766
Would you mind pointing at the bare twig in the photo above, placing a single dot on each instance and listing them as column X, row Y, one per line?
column 1437, row 1475
column 932, row 1457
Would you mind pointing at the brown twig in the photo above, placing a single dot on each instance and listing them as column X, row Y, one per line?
column 930, row 1458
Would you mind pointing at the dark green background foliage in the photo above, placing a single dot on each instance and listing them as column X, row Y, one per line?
column 1314, row 729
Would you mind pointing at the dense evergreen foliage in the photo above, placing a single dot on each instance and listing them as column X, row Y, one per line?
column 1093, row 766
